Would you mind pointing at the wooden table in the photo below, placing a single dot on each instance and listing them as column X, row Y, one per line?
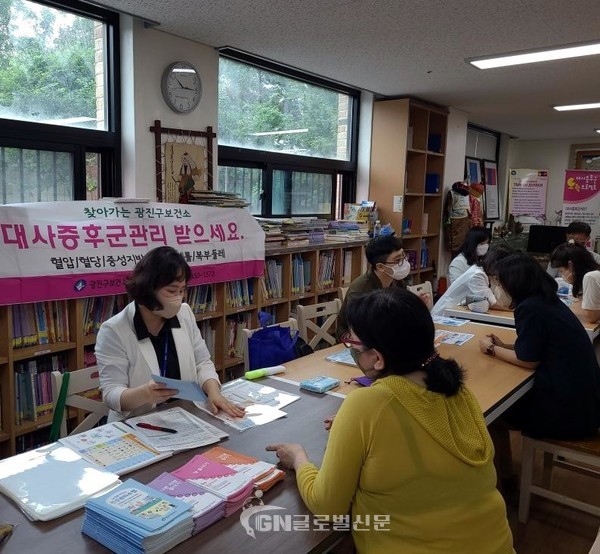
column 496, row 384
column 303, row 424
column 504, row 317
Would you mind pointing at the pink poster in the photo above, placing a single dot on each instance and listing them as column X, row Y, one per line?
column 581, row 199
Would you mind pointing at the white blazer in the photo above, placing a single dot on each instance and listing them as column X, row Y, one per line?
column 126, row 362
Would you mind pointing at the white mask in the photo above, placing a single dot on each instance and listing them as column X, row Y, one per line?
column 400, row 271
column 502, row 297
column 170, row 307
column 482, row 249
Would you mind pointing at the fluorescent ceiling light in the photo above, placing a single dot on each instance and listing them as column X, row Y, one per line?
column 268, row 133
column 183, row 70
column 597, row 130
column 534, row 56
column 572, row 107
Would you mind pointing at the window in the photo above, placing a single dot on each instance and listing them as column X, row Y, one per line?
column 59, row 113
column 287, row 141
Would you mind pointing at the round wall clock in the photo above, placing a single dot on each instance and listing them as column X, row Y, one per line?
column 181, row 87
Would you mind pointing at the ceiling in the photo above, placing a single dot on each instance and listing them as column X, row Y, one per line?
column 414, row 48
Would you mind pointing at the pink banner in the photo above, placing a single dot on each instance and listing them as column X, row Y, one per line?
column 61, row 250
column 581, row 199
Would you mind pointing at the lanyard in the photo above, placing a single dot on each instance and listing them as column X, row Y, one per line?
column 163, row 369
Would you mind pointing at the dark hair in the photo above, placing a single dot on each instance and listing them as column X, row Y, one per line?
column 379, row 248
column 494, row 254
column 397, row 323
column 475, row 236
column 582, row 261
column 579, row 227
column 522, row 277
column 157, row 269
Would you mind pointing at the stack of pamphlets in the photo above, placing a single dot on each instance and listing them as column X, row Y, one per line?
column 230, row 485
column 52, row 481
column 207, row 508
column 263, row 474
column 135, row 518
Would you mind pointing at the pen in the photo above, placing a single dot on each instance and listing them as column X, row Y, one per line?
column 155, row 428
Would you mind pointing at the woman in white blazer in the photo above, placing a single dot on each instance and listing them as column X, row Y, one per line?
column 155, row 334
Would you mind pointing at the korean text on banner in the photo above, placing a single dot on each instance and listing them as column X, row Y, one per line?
column 581, row 199
column 59, row 250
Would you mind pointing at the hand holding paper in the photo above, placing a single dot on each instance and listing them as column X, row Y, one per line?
column 187, row 390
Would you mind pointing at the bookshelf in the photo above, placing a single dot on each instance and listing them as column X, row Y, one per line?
column 220, row 308
column 407, row 161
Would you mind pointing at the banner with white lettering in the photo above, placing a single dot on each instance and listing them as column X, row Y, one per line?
column 59, row 250
column 581, row 199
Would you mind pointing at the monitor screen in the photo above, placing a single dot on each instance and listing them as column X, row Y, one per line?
column 543, row 239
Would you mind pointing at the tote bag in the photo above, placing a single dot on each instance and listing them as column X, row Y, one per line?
column 271, row 346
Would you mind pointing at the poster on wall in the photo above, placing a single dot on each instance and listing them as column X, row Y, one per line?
column 184, row 171
column 527, row 194
column 492, row 202
column 581, row 199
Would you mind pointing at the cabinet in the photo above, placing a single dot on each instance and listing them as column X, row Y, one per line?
column 294, row 275
column 407, row 177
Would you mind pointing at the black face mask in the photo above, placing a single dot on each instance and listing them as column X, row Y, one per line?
column 355, row 356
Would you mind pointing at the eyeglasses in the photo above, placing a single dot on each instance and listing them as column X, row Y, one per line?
column 348, row 342
column 396, row 262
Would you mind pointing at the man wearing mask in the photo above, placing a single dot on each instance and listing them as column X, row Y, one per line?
column 387, row 267
column 579, row 233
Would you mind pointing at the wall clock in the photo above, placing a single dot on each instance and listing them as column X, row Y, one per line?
column 181, row 87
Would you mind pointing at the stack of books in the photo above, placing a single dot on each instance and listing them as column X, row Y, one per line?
column 207, row 508
column 135, row 518
column 217, row 199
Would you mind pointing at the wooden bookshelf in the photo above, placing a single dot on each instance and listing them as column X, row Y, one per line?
column 213, row 316
column 407, row 158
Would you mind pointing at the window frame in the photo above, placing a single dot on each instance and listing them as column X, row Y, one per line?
column 79, row 141
column 270, row 161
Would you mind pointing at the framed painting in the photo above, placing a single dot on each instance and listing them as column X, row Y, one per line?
column 492, row 197
column 473, row 170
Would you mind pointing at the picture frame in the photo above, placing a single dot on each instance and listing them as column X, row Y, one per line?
column 492, row 196
column 473, row 170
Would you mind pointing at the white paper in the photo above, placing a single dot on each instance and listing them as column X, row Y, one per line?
column 188, row 390
column 262, row 403
column 450, row 337
column 397, row 203
column 192, row 432
column 450, row 321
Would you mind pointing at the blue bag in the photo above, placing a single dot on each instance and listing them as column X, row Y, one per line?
column 271, row 346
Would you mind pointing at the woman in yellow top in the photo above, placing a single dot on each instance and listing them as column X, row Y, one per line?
column 413, row 449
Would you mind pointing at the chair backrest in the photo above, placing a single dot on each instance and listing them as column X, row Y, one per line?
column 80, row 381
column 292, row 323
column 343, row 292
column 310, row 330
column 421, row 287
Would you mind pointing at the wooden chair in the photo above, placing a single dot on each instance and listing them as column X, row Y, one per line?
column 343, row 292
column 565, row 454
column 310, row 330
column 291, row 323
column 80, row 381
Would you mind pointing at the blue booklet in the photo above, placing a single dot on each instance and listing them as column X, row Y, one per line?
column 188, row 390
column 136, row 518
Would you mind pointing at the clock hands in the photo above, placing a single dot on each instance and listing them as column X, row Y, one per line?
column 181, row 85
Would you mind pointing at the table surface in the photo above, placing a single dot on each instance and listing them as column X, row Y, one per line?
column 505, row 317
column 492, row 381
column 63, row 535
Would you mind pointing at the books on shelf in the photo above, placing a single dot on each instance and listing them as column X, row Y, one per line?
column 239, row 293
column 202, row 299
column 52, row 481
column 40, row 323
column 136, row 518
column 326, row 273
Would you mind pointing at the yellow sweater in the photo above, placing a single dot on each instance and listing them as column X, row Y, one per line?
column 422, row 458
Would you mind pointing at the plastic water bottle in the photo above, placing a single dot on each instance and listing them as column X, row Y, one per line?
column 377, row 229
